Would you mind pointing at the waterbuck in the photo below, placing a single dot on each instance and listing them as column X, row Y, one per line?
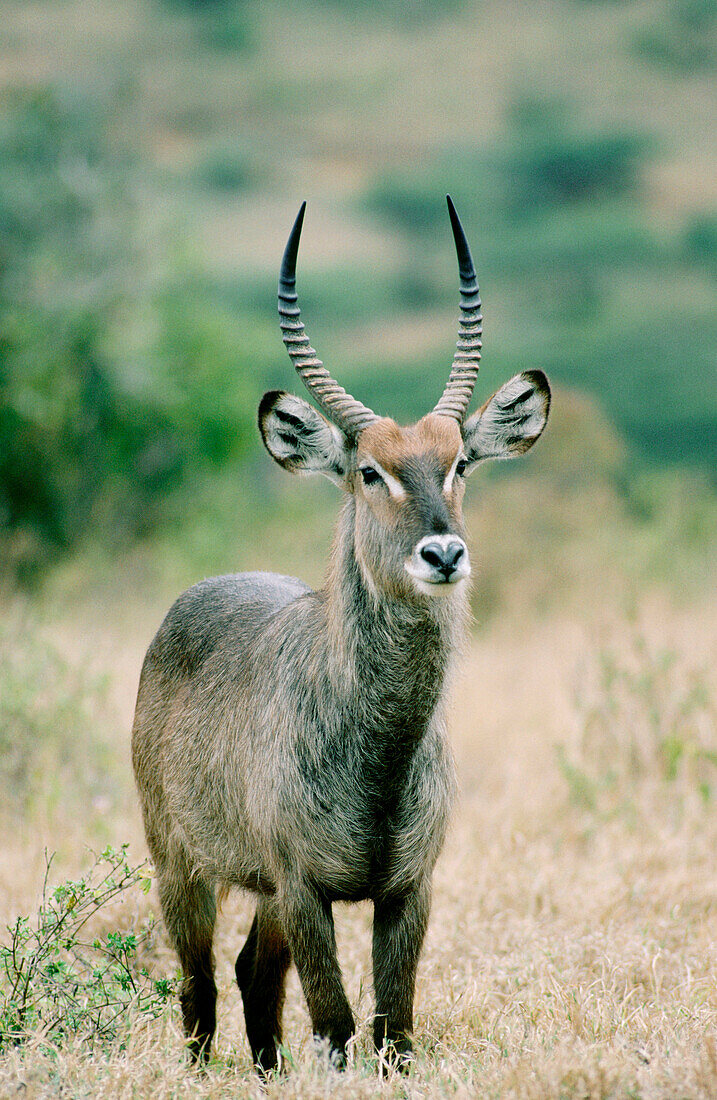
column 293, row 742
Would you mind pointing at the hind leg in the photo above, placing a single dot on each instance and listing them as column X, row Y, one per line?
column 261, row 976
column 189, row 909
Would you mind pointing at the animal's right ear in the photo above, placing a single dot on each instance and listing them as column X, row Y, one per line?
column 300, row 439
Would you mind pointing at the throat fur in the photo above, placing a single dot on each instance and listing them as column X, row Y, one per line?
column 398, row 654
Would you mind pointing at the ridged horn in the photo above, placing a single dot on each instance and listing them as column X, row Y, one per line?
column 343, row 409
column 466, row 360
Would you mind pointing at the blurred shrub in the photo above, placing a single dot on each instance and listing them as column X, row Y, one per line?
column 700, row 241
column 115, row 387
column 548, row 170
column 683, row 39
column 402, row 12
column 549, row 161
column 53, row 160
column 412, row 201
column 200, row 5
column 221, row 24
column 226, row 169
column 654, row 371
column 332, row 299
column 542, row 163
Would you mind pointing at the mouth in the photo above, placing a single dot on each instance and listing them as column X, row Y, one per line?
column 432, row 585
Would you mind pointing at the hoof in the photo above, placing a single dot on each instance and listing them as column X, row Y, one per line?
column 395, row 1056
column 333, row 1050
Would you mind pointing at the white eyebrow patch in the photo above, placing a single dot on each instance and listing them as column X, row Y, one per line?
column 393, row 485
column 448, row 483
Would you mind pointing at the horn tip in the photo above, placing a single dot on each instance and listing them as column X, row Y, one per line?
column 453, row 215
column 299, row 219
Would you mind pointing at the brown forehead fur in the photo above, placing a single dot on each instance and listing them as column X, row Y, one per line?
column 391, row 444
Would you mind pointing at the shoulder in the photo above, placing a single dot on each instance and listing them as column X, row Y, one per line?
column 221, row 614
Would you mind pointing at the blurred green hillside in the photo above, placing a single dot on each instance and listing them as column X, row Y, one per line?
column 153, row 154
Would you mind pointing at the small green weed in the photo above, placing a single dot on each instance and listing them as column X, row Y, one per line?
column 58, row 978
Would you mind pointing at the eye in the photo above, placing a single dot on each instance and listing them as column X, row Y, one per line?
column 461, row 468
column 369, row 475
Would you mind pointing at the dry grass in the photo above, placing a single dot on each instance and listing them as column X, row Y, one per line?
column 572, row 949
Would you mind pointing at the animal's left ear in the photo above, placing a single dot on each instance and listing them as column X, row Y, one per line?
column 511, row 421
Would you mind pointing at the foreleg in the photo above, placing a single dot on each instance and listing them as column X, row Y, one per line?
column 309, row 927
column 399, row 926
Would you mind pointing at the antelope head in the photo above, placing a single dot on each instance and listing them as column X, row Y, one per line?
column 407, row 482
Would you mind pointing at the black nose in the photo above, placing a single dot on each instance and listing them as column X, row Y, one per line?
column 444, row 558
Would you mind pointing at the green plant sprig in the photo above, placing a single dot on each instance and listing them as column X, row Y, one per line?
column 54, row 980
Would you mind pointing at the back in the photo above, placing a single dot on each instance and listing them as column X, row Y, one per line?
column 218, row 613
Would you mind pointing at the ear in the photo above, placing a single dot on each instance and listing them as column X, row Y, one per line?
column 511, row 421
column 299, row 438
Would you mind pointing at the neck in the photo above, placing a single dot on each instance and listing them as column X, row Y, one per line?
column 389, row 657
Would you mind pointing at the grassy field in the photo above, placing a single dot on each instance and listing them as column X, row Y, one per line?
column 571, row 950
